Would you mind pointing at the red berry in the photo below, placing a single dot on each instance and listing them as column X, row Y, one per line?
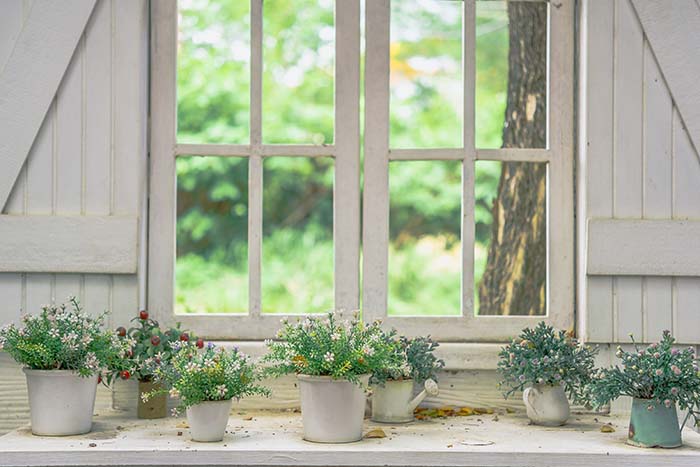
column 200, row 343
column 99, row 379
column 129, row 353
column 121, row 331
column 143, row 314
column 184, row 337
column 155, row 340
column 125, row 374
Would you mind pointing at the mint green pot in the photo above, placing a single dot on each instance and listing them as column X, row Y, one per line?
column 653, row 425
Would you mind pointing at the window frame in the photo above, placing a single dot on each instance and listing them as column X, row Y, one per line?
column 164, row 149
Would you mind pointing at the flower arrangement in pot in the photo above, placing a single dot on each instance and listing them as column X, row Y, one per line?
column 150, row 346
column 393, row 399
column 547, row 365
column 206, row 381
column 333, row 359
column 63, row 350
column 658, row 377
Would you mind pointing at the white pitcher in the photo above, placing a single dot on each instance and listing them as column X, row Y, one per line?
column 546, row 404
column 394, row 402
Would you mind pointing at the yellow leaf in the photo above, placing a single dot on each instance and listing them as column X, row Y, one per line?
column 607, row 429
column 376, row 433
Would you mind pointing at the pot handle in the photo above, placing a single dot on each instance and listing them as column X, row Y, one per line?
column 529, row 395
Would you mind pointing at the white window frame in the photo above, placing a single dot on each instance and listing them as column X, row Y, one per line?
column 558, row 154
column 164, row 149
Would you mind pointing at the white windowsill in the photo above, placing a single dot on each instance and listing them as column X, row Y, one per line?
column 274, row 439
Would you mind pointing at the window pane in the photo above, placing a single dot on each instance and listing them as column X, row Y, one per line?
column 510, row 265
column 425, row 256
column 213, row 71
column 511, row 74
column 211, row 271
column 297, row 262
column 426, row 73
column 298, row 61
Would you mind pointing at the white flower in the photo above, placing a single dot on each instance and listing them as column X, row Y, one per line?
column 335, row 336
column 221, row 390
column 191, row 367
column 329, row 357
column 368, row 350
column 174, row 393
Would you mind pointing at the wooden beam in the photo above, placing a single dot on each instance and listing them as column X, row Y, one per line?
column 643, row 247
column 69, row 244
column 31, row 77
column 673, row 31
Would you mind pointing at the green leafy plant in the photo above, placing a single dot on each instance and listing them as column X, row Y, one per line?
column 150, row 346
column 197, row 375
column 543, row 355
column 658, row 372
column 63, row 337
column 329, row 346
column 414, row 359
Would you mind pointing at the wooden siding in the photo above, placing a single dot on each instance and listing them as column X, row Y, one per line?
column 638, row 163
column 88, row 159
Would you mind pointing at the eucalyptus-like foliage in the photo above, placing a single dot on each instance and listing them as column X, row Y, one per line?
column 63, row 337
column 543, row 355
column 414, row 359
column 330, row 346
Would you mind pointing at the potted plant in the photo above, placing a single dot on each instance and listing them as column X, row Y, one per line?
column 206, row 381
column 658, row 378
column 151, row 346
column 546, row 365
column 333, row 360
column 63, row 351
column 393, row 399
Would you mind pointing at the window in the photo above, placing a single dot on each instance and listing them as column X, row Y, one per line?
column 467, row 173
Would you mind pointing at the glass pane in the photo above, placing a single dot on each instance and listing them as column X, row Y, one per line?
column 298, row 60
column 425, row 258
column 297, row 262
column 511, row 74
column 211, row 270
column 426, row 73
column 213, row 71
column 510, row 257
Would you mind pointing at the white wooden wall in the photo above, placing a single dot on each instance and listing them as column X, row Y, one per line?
column 88, row 159
column 636, row 161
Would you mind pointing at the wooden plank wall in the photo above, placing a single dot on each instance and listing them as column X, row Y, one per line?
column 639, row 163
column 89, row 158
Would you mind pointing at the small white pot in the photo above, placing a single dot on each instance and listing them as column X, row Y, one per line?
column 332, row 410
column 546, row 404
column 61, row 402
column 394, row 402
column 208, row 420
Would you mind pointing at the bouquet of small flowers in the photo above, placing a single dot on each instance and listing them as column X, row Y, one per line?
column 658, row 372
column 63, row 337
column 197, row 375
column 329, row 346
column 413, row 359
column 150, row 346
column 543, row 355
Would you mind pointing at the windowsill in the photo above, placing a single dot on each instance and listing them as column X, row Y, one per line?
column 274, row 438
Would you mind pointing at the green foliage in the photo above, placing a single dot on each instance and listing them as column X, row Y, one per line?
column 330, row 346
column 658, row 372
column 63, row 337
column 211, row 374
column 543, row 355
column 414, row 359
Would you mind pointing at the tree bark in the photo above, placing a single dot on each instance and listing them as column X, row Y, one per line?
column 514, row 281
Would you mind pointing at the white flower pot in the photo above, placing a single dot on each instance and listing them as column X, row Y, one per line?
column 332, row 410
column 208, row 420
column 61, row 402
column 546, row 404
column 394, row 402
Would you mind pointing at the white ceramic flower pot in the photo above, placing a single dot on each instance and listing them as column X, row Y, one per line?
column 61, row 402
column 332, row 410
column 394, row 401
column 208, row 420
column 546, row 404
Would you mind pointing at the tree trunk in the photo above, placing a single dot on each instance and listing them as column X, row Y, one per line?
column 514, row 281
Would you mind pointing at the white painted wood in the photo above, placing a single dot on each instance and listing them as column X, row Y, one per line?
column 673, row 30
column 68, row 244
column 31, row 76
column 244, row 150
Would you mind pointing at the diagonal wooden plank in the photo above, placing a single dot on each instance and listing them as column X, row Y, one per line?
column 673, row 31
column 31, row 76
